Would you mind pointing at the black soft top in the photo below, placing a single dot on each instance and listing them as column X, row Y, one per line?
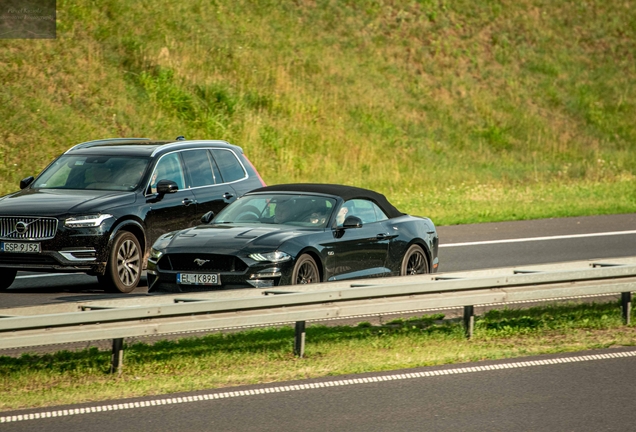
column 342, row 191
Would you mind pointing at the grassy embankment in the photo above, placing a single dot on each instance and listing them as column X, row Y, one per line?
column 263, row 356
column 463, row 111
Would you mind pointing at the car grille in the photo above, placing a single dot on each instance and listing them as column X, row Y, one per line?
column 27, row 228
column 209, row 263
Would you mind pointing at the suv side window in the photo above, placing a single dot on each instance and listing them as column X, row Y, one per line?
column 168, row 168
column 230, row 167
column 198, row 164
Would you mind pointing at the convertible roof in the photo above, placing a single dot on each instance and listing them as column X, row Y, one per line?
column 343, row 191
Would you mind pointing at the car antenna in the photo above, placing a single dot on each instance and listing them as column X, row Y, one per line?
column 180, row 138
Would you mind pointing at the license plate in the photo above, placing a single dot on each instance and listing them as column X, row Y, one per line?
column 198, row 279
column 20, row 247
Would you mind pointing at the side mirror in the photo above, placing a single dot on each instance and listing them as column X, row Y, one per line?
column 352, row 222
column 206, row 218
column 26, row 181
column 166, row 186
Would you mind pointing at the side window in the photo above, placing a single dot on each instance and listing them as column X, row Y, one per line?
column 197, row 163
column 379, row 214
column 347, row 209
column 215, row 169
column 230, row 167
column 168, row 168
column 364, row 210
column 367, row 211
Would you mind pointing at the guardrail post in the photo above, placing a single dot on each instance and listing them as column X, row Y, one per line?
column 626, row 300
column 299, row 339
column 469, row 320
column 117, row 357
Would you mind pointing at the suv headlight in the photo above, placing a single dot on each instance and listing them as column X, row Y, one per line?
column 275, row 257
column 88, row 221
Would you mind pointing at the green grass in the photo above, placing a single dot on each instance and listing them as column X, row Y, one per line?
column 266, row 355
column 463, row 111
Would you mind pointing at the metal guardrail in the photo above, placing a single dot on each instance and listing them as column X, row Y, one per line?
column 186, row 314
column 401, row 288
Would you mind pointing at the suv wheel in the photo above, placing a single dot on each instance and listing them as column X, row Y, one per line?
column 7, row 276
column 124, row 267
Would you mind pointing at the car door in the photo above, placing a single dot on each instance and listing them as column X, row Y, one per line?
column 206, row 182
column 362, row 251
column 171, row 211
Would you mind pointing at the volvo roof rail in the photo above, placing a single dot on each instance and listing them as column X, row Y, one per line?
column 103, row 141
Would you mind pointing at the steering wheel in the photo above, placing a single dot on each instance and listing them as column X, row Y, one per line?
column 249, row 213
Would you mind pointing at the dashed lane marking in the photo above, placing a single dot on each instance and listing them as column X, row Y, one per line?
column 317, row 385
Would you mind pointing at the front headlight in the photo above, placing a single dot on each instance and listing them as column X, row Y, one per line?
column 88, row 221
column 155, row 254
column 275, row 257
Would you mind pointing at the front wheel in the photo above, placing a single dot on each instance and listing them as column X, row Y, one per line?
column 414, row 262
column 305, row 271
column 7, row 276
column 124, row 267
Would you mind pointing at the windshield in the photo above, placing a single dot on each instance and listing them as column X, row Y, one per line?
column 283, row 209
column 115, row 173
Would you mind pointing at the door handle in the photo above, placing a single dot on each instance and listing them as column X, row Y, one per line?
column 228, row 195
column 187, row 201
column 385, row 236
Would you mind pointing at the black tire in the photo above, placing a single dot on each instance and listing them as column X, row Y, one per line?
column 124, row 267
column 414, row 262
column 7, row 276
column 305, row 271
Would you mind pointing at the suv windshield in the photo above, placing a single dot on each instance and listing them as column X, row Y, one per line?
column 116, row 173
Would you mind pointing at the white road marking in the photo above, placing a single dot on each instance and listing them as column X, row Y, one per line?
column 529, row 239
column 442, row 245
column 337, row 383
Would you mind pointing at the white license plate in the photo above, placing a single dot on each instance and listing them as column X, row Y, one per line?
column 20, row 247
column 198, row 279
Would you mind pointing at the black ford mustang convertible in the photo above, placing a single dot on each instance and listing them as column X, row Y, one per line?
column 294, row 234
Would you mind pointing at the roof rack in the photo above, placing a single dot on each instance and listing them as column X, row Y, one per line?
column 103, row 141
column 179, row 143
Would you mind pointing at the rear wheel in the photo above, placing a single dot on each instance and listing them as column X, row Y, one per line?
column 305, row 271
column 414, row 261
column 124, row 267
column 7, row 276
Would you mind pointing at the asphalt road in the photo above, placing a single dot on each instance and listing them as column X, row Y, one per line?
column 587, row 391
column 462, row 247
column 507, row 244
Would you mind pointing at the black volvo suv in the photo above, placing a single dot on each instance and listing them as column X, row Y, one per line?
column 99, row 207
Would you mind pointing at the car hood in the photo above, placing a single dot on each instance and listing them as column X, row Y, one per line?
column 60, row 202
column 229, row 239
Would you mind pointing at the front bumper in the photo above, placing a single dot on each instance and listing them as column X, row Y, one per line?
column 75, row 260
column 81, row 250
column 255, row 275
